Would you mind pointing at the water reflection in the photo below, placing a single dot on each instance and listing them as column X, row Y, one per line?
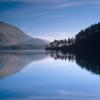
column 13, row 61
column 63, row 56
column 85, row 61
column 48, row 79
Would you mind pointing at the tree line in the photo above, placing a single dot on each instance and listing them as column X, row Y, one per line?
column 86, row 39
column 60, row 43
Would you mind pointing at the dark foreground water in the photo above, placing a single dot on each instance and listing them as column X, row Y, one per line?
column 40, row 75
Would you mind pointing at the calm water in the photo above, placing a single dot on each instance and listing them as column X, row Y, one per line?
column 40, row 75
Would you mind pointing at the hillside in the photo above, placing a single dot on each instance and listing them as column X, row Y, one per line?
column 12, row 37
column 89, row 38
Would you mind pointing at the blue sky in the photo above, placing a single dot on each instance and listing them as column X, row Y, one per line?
column 50, row 19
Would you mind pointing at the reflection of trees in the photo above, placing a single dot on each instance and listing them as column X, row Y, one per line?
column 63, row 56
column 87, row 61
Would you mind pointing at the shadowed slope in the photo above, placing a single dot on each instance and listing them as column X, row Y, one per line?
column 12, row 37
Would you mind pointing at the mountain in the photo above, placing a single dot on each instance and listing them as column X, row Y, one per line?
column 86, row 41
column 12, row 37
column 89, row 39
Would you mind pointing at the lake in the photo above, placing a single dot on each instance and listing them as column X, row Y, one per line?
column 41, row 75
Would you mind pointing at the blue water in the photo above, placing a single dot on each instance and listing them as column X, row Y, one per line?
column 38, row 76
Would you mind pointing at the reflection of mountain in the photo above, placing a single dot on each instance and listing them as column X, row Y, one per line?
column 87, row 61
column 11, row 63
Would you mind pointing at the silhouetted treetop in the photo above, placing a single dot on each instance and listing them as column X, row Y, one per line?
column 89, row 32
column 87, row 39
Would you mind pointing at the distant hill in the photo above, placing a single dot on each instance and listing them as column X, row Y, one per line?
column 89, row 38
column 12, row 37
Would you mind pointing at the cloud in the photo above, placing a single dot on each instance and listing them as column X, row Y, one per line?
column 58, row 3
column 53, row 36
column 36, row 8
column 34, row 1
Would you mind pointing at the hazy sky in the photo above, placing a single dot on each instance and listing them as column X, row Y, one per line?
column 50, row 19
